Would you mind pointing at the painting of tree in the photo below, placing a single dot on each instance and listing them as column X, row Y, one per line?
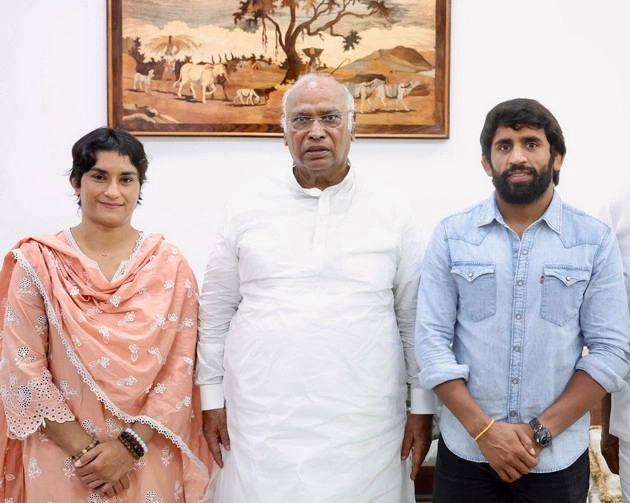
column 207, row 67
column 319, row 17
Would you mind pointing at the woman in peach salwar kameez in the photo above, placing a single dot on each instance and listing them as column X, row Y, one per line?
column 98, row 351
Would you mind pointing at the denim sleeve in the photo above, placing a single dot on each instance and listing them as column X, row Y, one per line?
column 436, row 316
column 605, row 320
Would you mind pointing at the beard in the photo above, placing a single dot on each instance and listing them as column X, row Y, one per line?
column 525, row 192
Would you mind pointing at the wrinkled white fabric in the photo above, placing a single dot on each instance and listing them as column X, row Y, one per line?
column 617, row 215
column 307, row 321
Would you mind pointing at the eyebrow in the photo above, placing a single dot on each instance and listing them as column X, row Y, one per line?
column 525, row 139
column 319, row 114
column 106, row 172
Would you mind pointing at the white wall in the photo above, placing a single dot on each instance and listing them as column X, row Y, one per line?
column 572, row 56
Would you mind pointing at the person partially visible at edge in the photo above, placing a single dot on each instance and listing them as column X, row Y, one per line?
column 306, row 325
column 615, row 440
column 98, row 350
column 512, row 291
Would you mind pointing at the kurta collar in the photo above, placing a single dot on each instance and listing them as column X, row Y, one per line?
column 344, row 186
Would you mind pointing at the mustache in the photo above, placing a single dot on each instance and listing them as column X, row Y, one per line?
column 513, row 168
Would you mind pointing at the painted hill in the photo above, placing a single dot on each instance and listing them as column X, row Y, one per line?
column 398, row 59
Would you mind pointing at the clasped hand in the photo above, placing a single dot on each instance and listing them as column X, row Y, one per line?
column 105, row 467
column 510, row 450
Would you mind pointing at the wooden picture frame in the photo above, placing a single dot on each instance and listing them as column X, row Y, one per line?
column 393, row 55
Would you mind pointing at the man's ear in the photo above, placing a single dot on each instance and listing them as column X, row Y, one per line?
column 557, row 162
column 487, row 165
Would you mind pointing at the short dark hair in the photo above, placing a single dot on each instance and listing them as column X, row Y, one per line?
column 106, row 139
column 520, row 112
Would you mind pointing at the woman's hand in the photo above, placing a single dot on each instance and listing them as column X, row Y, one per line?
column 105, row 468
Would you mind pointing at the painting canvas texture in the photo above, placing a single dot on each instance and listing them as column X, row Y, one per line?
column 220, row 67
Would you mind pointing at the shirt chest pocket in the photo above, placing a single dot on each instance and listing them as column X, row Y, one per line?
column 477, row 288
column 562, row 292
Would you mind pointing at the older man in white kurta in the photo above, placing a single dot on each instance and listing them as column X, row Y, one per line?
column 307, row 326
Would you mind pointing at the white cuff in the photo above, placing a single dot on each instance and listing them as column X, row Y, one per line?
column 212, row 396
column 423, row 401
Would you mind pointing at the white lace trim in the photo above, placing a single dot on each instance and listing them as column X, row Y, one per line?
column 87, row 378
column 19, row 399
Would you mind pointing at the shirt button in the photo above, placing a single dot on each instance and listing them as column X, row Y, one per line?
column 514, row 381
column 470, row 274
column 524, row 252
column 568, row 278
column 519, row 282
column 512, row 413
column 517, row 349
column 518, row 316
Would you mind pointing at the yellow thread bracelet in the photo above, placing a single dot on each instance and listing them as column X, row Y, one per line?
column 484, row 430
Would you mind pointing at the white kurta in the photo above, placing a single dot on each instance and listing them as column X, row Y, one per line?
column 617, row 215
column 307, row 318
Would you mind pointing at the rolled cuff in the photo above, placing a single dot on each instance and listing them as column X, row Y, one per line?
column 433, row 376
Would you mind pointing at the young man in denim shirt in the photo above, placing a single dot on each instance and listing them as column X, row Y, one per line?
column 512, row 291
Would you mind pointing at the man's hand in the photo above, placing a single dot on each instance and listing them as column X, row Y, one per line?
column 609, row 445
column 216, row 433
column 510, row 450
column 418, row 433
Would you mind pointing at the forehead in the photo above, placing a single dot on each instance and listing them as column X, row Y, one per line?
column 113, row 161
column 316, row 96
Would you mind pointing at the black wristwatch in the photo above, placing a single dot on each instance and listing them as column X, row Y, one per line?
column 542, row 435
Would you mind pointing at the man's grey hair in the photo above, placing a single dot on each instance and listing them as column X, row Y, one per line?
column 311, row 76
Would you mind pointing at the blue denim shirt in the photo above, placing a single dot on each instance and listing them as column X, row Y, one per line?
column 512, row 316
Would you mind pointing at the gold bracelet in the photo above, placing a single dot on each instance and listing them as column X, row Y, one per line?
column 484, row 430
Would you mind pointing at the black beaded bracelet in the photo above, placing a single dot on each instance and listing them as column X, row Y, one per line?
column 128, row 446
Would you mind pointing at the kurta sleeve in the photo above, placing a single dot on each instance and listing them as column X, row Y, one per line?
column 405, row 304
column 219, row 300
column 28, row 392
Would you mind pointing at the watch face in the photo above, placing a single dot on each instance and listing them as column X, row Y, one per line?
column 543, row 437
column 541, row 434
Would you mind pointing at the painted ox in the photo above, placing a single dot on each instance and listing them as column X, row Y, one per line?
column 204, row 75
column 247, row 97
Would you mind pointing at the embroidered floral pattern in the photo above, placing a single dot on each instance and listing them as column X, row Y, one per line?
column 34, row 470
column 129, row 317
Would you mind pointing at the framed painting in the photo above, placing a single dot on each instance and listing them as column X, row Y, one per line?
column 220, row 67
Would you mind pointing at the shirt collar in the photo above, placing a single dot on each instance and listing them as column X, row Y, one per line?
column 552, row 215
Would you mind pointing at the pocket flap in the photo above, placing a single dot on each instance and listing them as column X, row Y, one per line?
column 568, row 275
column 470, row 272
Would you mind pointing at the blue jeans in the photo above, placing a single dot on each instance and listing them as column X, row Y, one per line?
column 457, row 480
